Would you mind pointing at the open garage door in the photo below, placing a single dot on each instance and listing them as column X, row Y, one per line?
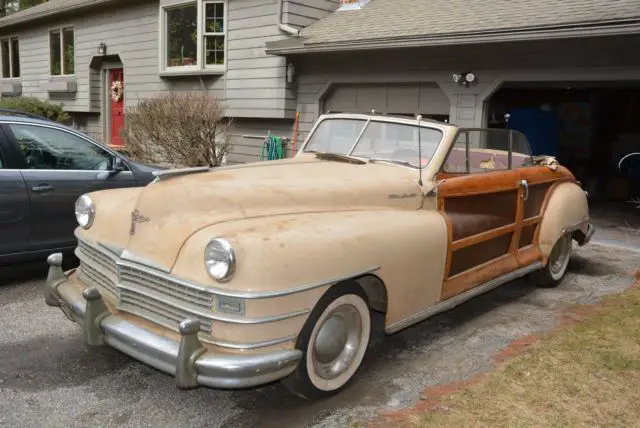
column 426, row 99
column 588, row 126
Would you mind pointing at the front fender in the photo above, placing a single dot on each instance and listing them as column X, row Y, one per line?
column 281, row 253
column 113, row 215
column 567, row 209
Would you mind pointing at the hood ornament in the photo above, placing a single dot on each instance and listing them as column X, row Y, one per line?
column 137, row 217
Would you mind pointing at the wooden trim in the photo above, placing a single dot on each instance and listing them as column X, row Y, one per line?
column 529, row 254
column 481, row 237
column 447, row 267
column 479, row 275
column 531, row 221
column 519, row 214
column 478, row 184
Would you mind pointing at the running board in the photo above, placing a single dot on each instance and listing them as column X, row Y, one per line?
column 461, row 298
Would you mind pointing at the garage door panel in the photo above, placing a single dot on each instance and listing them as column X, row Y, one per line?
column 371, row 97
column 433, row 100
column 406, row 99
column 403, row 99
column 342, row 98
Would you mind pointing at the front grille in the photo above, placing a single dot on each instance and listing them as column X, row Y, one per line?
column 139, row 291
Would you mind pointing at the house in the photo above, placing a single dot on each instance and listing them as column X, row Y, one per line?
column 72, row 51
column 566, row 74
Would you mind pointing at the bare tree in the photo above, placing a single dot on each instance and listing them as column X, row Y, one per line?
column 178, row 129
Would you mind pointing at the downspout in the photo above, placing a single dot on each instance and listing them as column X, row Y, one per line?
column 284, row 27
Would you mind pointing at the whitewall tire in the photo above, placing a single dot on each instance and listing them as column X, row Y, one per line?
column 334, row 341
column 555, row 270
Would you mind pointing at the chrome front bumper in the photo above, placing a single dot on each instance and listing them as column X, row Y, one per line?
column 188, row 360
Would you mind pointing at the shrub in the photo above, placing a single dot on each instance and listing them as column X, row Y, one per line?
column 179, row 129
column 37, row 106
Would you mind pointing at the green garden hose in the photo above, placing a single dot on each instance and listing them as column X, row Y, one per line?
column 273, row 148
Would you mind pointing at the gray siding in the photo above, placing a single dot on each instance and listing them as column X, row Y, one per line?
column 301, row 13
column 246, row 148
column 254, row 84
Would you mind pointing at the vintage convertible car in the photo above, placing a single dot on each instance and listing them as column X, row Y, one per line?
column 238, row 276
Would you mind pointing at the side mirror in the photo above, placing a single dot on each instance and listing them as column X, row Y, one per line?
column 118, row 166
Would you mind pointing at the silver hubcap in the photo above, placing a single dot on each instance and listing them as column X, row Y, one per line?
column 559, row 256
column 337, row 342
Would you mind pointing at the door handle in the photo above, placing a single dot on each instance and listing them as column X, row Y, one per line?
column 41, row 188
column 524, row 184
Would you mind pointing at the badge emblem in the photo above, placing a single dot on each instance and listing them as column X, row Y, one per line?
column 136, row 217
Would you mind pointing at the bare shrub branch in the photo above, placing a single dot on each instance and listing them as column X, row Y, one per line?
column 178, row 129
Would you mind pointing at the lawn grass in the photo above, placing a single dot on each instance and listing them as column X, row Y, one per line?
column 583, row 375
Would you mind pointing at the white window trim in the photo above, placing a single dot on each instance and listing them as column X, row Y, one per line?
column 10, row 39
column 62, row 53
column 200, row 68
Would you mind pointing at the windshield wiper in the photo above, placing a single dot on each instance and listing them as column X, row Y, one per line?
column 394, row 161
column 337, row 157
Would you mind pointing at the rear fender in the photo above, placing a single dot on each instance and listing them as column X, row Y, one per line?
column 567, row 211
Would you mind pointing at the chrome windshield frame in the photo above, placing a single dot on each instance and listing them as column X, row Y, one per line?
column 368, row 118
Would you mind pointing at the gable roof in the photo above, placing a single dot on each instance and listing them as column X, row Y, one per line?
column 49, row 9
column 395, row 23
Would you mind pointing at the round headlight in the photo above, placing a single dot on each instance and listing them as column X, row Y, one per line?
column 85, row 211
column 220, row 259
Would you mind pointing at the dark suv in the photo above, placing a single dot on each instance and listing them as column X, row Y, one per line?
column 44, row 168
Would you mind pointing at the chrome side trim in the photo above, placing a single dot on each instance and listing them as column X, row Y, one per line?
column 251, row 345
column 461, row 298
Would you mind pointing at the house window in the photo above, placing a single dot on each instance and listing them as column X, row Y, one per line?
column 62, row 52
column 194, row 36
column 10, row 58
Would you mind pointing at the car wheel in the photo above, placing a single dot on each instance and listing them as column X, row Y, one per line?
column 333, row 342
column 553, row 273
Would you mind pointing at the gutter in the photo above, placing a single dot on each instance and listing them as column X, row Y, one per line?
column 284, row 27
column 616, row 28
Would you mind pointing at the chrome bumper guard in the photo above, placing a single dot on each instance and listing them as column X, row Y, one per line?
column 187, row 360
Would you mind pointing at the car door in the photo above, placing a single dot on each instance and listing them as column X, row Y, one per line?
column 478, row 195
column 14, row 205
column 58, row 166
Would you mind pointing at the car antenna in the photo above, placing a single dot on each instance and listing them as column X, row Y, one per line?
column 419, row 118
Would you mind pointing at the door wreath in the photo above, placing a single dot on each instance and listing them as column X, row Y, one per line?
column 116, row 91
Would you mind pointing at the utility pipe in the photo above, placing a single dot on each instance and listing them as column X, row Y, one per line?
column 284, row 27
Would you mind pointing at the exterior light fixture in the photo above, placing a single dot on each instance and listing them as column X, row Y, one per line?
column 464, row 79
column 102, row 49
column 291, row 73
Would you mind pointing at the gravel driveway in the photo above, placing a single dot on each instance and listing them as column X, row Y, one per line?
column 49, row 379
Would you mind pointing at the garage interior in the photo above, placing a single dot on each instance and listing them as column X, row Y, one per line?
column 588, row 126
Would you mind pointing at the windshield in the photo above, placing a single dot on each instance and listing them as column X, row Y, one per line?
column 378, row 140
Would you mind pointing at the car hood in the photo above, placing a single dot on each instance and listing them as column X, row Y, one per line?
column 169, row 211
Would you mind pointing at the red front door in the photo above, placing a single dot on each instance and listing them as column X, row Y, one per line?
column 117, row 107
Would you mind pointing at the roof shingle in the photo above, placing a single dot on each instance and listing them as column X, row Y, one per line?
column 385, row 19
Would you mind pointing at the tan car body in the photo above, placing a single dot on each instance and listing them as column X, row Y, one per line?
column 303, row 225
